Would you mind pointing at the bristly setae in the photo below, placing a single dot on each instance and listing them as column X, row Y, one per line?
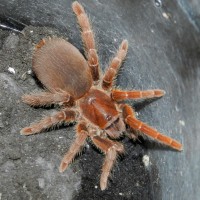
column 87, row 96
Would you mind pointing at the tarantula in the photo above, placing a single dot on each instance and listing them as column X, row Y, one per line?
column 87, row 96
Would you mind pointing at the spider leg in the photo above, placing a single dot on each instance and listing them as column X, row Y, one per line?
column 64, row 115
column 81, row 135
column 120, row 95
column 111, row 150
column 114, row 66
column 88, row 39
column 130, row 119
column 48, row 98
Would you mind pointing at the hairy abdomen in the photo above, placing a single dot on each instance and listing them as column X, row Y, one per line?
column 60, row 65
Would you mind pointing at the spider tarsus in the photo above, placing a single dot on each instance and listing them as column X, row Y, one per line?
column 77, row 8
column 103, row 185
column 159, row 93
column 26, row 131
column 124, row 45
column 176, row 145
column 63, row 167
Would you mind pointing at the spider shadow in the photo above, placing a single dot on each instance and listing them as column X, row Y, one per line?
column 145, row 142
column 37, row 81
column 150, row 144
column 139, row 105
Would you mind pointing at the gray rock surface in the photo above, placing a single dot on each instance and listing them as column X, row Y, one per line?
column 191, row 9
column 164, row 53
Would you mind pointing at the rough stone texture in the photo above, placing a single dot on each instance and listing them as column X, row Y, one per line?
column 192, row 10
column 164, row 53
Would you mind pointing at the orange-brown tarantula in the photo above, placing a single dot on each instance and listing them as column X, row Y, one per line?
column 87, row 96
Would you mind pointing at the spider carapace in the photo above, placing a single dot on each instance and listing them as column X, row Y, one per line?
column 87, row 96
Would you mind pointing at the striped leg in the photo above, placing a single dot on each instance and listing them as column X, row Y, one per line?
column 81, row 136
column 114, row 66
column 48, row 98
column 88, row 39
column 111, row 150
column 136, row 124
column 64, row 115
column 120, row 95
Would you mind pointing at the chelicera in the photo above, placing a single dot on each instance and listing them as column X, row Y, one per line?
column 87, row 96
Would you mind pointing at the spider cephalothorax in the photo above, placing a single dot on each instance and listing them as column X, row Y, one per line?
column 87, row 96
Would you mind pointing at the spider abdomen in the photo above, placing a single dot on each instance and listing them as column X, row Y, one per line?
column 60, row 65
